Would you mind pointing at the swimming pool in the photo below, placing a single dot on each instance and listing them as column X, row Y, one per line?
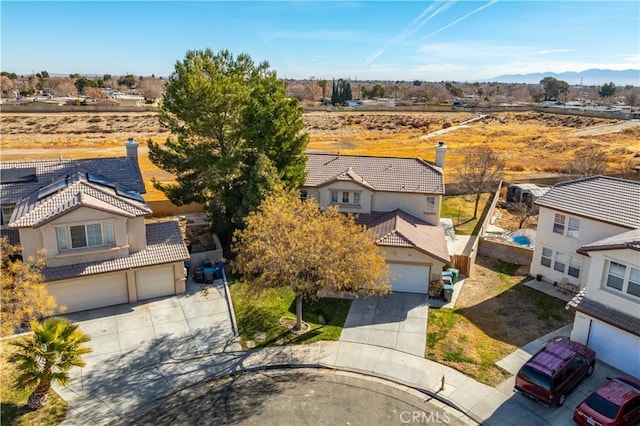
column 522, row 237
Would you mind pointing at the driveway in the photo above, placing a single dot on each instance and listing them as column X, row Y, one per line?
column 397, row 321
column 144, row 350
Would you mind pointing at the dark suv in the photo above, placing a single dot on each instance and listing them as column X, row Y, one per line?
column 555, row 370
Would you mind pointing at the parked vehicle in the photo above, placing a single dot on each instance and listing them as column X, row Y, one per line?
column 615, row 403
column 552, row 373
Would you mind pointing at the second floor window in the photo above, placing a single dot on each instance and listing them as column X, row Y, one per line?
column 623, row 278
column 431, row 204
column 558, row 224
column 345, row 197
column 85, row 235
column 573, row 230
column 303, row 194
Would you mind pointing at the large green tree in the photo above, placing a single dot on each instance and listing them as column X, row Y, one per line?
column 47, row 356
column 554, row 88
column 230, row 122
column 291, row 243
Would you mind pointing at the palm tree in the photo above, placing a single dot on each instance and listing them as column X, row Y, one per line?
column 54, row 348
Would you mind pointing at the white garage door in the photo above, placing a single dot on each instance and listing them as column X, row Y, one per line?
column 409, row 278
column 615, row 347
column 155, row 282
column 95, row 291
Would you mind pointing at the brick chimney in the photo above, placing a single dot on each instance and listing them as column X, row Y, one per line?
column 132, row 148
column 441, row 150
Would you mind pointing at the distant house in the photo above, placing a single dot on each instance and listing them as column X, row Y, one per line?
column 588, row 236
column 88, row 216
column 398, row 198
column 526, row 193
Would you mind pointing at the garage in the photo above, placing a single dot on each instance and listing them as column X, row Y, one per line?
column 409, row 278
column 155, row 282
column 95, row 291
column 623, row 354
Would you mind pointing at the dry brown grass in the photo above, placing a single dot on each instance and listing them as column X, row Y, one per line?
column 530, row 142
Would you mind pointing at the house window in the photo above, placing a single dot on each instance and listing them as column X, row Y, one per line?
column 573, row 229
column 558, row 224
column 547, row 255
column 6, row 215
column 345, row 197
column 87, row 235
column 303, row 194
column 561, row 262
column 575, row 263
column 633, row 287
column 431, row 204
column 334, row 196
column 356, row 198
column 615, row 277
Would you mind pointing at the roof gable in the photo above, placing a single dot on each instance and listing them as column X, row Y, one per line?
column 122, row 170
column 400, row 229
column 626, row 240
column 600, row 198
column 391, row 174
column 71, row 192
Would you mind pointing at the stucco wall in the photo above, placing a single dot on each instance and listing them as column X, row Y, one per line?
column 503, row 250
column 415, row 204
column 590, row 231
column 597, row 290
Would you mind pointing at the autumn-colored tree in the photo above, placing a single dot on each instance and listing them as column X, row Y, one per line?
column 291, row 243
column 480, row 173
column 94, row 92
column 589, row 161
column 24, row 293
column 47, row 356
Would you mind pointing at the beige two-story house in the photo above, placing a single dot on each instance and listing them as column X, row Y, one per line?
column 585, row 237
column 87, row 218
column 399, row 199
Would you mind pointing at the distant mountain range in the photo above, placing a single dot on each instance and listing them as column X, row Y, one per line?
column 589, row 77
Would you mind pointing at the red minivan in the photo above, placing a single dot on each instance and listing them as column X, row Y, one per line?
column 552, row 373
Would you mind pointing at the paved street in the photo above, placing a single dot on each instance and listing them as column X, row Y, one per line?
column 299, row 397
column 397, row 321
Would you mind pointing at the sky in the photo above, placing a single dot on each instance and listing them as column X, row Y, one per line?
column 360, row 40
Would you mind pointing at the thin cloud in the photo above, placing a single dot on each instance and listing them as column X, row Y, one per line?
column 473, row 12
column 545, row 52
column 411, row 29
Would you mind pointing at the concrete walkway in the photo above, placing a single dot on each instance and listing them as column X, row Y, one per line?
column 396, row 321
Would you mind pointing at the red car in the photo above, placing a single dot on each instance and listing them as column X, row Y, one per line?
column 617, row 402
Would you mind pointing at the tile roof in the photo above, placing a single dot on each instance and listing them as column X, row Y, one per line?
column 604, row 313
column 389, row 174
column 400, row 229
column 164, row 245
column 602, row 198
column 629, row 239
column 75, row 191
column 122, row 170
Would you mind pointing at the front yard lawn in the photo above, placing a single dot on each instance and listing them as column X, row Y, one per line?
column 494, row 315
column 13, row 403
column 262, row 313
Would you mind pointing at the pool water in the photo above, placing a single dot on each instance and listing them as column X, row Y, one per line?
column 521, row 240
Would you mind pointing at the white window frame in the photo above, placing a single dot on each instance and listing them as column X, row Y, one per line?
column 559, row 221
column 561, row 259
column 304, row 194
column 629, row 278
column 65, row 240
column 575, row 265
column 356, row 198
column 345, row 197
column 573, row 227
column 334, row 196
column 548, row 258
column 7, row 211
column 431, row 204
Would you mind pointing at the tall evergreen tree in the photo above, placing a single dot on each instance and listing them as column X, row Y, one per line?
column 225, row 113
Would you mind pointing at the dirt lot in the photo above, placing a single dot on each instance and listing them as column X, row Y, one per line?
column 531, row 142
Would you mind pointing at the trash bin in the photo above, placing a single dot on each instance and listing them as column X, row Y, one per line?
column 208, row 275
column 446, row 274
column 448, row 292
column 446, row 280
column 198, row 274
column 454, row 274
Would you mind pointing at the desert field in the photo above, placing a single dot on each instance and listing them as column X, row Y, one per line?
column 531, row 143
